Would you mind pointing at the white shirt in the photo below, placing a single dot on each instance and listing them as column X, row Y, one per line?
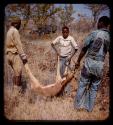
column 65, row 45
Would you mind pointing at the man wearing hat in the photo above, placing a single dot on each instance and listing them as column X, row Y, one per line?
column 14, row 51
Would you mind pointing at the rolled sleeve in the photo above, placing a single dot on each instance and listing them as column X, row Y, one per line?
column 74, row 44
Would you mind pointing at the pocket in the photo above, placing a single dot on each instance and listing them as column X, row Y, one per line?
column 99, row 70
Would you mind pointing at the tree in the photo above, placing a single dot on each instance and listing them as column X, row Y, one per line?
column 96, row 10
column 21, row 10
column 43, row 12
column 66, row 14
column 39, row 13
column 84, row 23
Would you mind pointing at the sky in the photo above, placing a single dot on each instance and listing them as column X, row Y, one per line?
column 81, row 8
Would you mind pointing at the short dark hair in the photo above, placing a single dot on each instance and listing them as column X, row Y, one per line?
column 65, row 27
column 105, row 20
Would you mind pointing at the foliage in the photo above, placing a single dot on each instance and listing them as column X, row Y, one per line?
column 66, row 14
column 96, row 10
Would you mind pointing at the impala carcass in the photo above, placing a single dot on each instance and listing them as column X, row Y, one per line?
column 48, row 90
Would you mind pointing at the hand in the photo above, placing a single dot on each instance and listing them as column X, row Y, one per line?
column 24, row 58
column 67, row 62
column 68, row 59
column 108, row 73
column 58, row 54
column 77, row 64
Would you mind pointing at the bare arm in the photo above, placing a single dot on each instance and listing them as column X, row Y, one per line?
column 75, row 48
column 55, row 49
column 82, row 53
column 72, row 54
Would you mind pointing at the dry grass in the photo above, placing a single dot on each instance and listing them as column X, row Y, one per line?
column 22, row 107
column 28, row 106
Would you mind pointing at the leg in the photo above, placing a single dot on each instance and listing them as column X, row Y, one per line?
column 62, row 70
column 82, row 88
column 68, row 86
column 9, row 62
column 97, row 73
column 17, row 67
column 93, row 91
column 62, row 66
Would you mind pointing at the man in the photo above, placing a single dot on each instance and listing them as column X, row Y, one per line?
column 96, row 45
column 67, row 49
column 14, row 51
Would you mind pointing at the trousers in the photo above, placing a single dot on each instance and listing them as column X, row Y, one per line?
column 89, row 82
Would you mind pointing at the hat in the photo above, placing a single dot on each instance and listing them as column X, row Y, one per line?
column 15, row 19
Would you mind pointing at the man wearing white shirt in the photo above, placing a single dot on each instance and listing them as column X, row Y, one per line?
column 67, row 49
